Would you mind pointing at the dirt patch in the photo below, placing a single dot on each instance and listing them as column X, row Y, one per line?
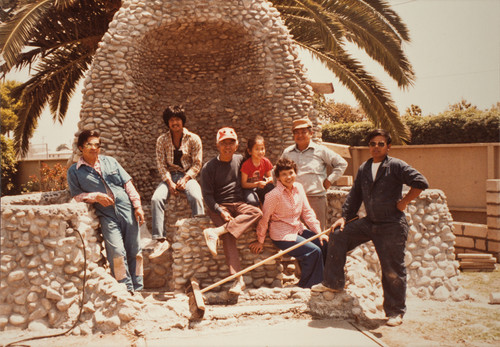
column 469, row 323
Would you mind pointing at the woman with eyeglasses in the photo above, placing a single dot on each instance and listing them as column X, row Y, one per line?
column 100, row 180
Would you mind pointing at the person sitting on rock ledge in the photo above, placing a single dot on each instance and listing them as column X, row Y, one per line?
column 379, row 185
column 178, row 158
column 283, row 210
column 223, row 195
column 100, row 180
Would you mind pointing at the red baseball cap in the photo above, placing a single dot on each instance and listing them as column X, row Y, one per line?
column 226, row 133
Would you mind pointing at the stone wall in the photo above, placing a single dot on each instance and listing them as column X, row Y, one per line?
column 230, row 63
column 42, row 267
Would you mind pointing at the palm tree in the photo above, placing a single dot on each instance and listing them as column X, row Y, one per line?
column 63, row 35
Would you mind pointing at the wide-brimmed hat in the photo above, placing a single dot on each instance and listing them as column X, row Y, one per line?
column 302, row 123
column 226, row 133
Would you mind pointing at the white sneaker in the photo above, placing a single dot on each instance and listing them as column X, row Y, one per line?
column 238, row 287
column 394, row 321
column 321, row 288
column 160, row 248
column 211, row 239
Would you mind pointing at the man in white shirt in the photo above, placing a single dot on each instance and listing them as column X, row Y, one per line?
column 312, row 161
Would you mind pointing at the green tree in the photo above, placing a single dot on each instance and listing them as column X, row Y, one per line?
column 61, row 37
column 9, row 107
column 337, row 112
column 413, row 111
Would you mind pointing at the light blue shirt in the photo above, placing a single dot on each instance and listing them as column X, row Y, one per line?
column 312, row 164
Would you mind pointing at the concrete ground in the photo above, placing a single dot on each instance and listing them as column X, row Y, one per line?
column 293, row 332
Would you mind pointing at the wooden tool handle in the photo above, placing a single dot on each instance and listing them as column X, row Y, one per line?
column 277, row 255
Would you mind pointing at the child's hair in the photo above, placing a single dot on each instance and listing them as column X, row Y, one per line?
column 251, row 142
column 284, row 164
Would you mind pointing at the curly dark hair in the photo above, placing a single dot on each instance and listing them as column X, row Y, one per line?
column 284, row 164
column 174, row 111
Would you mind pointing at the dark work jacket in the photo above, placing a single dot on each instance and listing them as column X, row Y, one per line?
column 381, row 196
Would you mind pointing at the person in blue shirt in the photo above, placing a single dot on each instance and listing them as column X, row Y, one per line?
column 378, row 185
column 102, row 181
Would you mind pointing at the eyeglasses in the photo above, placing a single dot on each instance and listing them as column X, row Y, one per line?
column 92, row 145
column 380, row 144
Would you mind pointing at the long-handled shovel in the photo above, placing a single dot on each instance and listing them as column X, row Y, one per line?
column 196, row 303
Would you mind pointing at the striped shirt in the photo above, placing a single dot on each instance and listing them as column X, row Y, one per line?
column 282, row 211
column 191, row 159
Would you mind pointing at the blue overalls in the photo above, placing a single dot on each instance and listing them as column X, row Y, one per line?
column 118, row 224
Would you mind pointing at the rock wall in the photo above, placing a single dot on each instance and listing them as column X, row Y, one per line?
column 230, row 63
column 42, row 267
column 430, row 260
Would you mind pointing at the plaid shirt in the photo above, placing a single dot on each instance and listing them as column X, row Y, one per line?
column 192, row 151
column 282, row 213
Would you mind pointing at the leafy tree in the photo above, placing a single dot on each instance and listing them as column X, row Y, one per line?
column 337, row 112
column 61, row 36
column 461, row 106
column 62, row 147
column 413, row 111
column 9, row 106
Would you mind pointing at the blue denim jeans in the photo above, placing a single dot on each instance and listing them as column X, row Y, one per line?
column 159, row 201
column 256, row 196
column 310, row 257
column 389, row 240
column 122, row 241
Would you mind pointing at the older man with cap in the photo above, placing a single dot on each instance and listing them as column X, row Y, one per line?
column 312, row 161
column 223, row 195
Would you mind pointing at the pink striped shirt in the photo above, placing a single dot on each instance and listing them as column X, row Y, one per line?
column 132, row 193
column 282, row 211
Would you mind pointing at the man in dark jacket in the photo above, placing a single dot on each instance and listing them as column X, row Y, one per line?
column 379, row 185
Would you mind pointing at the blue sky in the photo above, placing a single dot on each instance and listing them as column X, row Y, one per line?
column 455, row 51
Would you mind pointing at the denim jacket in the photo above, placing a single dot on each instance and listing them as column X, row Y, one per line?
column 381, row 196
column 87, row 180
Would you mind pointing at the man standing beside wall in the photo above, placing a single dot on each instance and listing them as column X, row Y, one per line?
column 312, row 161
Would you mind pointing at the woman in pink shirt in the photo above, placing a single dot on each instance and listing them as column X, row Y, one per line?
column 283, row 209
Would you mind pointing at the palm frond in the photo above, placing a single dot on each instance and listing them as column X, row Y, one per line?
column 371, row 95
column 15, row 33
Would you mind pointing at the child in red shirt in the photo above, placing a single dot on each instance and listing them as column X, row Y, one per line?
column 256, row 172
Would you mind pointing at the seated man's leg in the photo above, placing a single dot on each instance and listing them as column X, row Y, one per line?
column 309, row 256
column 158, row 202
column 195, row 198
column 115, row 251
column 390, row 242
column 250, row 197
column 245, row 216
column 341, row 242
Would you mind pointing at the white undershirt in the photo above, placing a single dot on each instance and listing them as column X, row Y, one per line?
column 375, row 167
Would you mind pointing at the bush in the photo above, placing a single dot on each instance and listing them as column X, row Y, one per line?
column 352, row 134
column 52, row 179
column 459, row 126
